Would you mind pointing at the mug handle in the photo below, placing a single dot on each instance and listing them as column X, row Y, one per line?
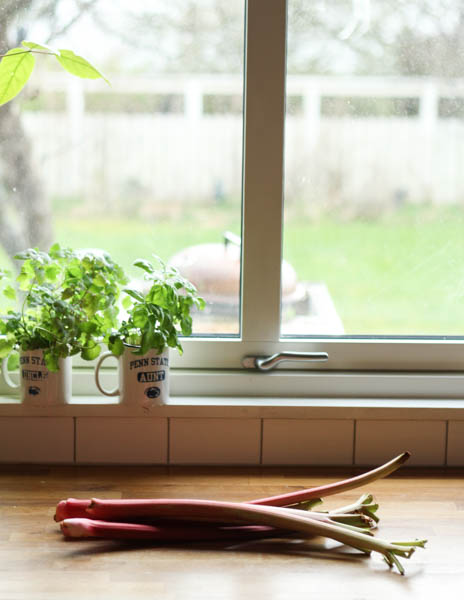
column 6, row 376
column 103, row 357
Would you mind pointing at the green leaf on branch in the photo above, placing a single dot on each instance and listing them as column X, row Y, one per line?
column 140, row 316
column 100, row 281
column 77, row 65
column 6, row 346
column 15, row 69
column 135, row 294
column 144, row 264
column 23, row 281
column 55, row 250
column 116, row 346
column 9, row 292
column 35, row 46
column 91, row 352
column 13, row 361
column 52, row 272
column 52, row 361
column 126, row 302
column 147, row 341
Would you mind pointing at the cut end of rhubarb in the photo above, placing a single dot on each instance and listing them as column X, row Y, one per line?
column 60, row 511
column 76, row 528
column 405, row 456
column 71, row 508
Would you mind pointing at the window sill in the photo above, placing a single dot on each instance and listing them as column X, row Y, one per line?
column 249, row 407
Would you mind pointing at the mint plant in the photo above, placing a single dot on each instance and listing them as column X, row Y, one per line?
column 17, row 65
column 156, row 319
column 67, row 303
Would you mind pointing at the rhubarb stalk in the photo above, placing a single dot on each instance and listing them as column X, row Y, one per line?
column 82, row 528
column 280, row 518
column 337, row 487
column 303, row 499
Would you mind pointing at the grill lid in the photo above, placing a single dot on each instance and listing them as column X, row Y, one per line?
column 215, row 271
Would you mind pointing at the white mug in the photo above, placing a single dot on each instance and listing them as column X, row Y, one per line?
column 143, row 380
column 39, row 386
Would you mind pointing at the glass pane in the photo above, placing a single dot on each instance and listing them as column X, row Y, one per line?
column 149, row 164
column 374, row 192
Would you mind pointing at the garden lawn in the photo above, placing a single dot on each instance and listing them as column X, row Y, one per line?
column 401, row 275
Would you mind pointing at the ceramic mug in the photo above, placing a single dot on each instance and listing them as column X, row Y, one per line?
column 39, row 386
column 143, row 380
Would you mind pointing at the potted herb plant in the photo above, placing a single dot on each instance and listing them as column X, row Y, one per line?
column 68, row 304
column 156, row 318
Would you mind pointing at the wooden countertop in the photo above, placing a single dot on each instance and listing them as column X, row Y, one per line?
column 37, row 563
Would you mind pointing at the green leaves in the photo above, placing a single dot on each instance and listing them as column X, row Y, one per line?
column 35, row 46
column 91, row 352
column 134, row 294
column 158, row 318
column 77, row 65
column 70, row 306
column 68, row 302
column 17, row 65
column 15, row 69
column 9, row 292
column 6, row 346
column 140, row 315
column 115, row 345
column 145, row 265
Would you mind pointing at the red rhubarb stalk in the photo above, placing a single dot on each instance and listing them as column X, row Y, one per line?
column 280, row 518
column 81, row 528
column 73, row 507
column 337, row 487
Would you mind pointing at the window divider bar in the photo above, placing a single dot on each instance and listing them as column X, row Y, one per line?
column 263, row 169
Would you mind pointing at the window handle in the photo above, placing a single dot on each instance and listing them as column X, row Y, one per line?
column 266, row 363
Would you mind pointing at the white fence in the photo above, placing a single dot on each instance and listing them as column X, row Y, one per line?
column 129, row 160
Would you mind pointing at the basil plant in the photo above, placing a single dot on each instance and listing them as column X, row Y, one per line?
column 158, row 317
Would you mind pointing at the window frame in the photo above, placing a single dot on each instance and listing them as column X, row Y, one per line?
column 378, row 366
column 357, row 367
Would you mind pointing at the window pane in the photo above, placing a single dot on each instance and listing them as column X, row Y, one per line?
column 150, row 164
column 374, row 190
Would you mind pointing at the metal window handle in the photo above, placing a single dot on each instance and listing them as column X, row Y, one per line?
column 266, row 363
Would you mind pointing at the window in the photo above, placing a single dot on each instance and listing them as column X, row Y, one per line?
column 417, row 298
column 384, row 353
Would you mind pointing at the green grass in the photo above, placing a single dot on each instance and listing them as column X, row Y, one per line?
column 401, row 275
column 127, row 239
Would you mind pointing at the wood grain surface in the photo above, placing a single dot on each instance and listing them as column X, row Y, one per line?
column 36, row 562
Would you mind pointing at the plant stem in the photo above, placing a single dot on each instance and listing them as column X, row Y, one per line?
column 30, row 51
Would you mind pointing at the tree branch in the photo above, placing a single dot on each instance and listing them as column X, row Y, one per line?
column 83, row 8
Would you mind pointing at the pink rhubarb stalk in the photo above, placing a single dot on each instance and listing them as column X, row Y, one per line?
column 73, row 507
column 82, row 528
column 280, row 518
column 337, row 487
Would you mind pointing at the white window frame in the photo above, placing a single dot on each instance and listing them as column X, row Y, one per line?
column 357, row 366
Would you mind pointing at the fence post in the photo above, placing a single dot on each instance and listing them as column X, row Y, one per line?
column 428, row 115
column 193, row 107
column 75, row 108
column 312, row 114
